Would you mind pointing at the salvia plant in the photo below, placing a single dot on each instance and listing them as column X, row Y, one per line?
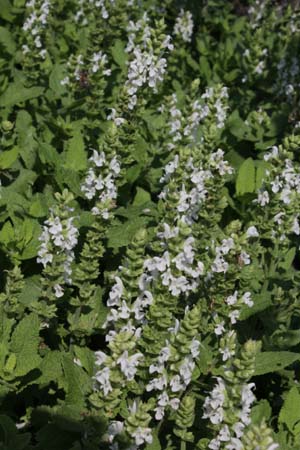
column 149, row 225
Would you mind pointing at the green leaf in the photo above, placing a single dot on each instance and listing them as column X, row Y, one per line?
column 288, row 259
column 17, row 93
column 24, row 343
column 261, row 167
column 155, row 444
column 141, row 197
column 121, row 235
column 39, row 206
column 133, row 173
column 56, row 76
column 47, row 154
column 261, row 302
column 267, row 362
column 204, row 67
column 6, row 11
column 118, row 53
column 245, row 182
column 86, row 357
column 75, row 155
column 7, row 233
column 285, row 339
column 51, row 437
column 10, row 436
column 261, row 411
column 51, row 369
column 6, row 40
column 290, row 411
column 31, row 291
column 26, row 138
column 235, row 159
column 8, row 158
column 68, row 177
column 236, row 125
column 77, row 382
column 139, row 151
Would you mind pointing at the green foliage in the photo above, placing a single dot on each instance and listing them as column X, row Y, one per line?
column 149, row 224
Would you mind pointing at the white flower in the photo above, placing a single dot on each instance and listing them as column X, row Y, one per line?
column 296, row 227
column 164, row 355
column 263, row 198
column 219, row 329
column 273, row 154
column 113, row 116
column 234, row 315
column 227, row 245
column 159, row 412
column 184, row 26
column 176, row 384
column 213, row 404
column 103, row 379
column 227, row 353
column 245, row 258
column 235, row 444
column 186, row 370
column 224, row 434
column 116, row 293
column 194, row 348
column 129, row 364
column 157, row 384
column 100, row 357
column 252, row 232
column 58, row 291
column 219, row 265
column 232, row 299
column 142, row 435
column 214, row 444
column 246, row 298
column 115, row 427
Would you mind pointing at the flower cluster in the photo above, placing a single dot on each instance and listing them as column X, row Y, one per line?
column 146, row 65
column 100, row 184
column 84, row 71
column 182, row 126
column 34, row 28
column 287, row 80
column 228, row 406
column 280, row 190
column 184, row 26
column 58, row 239
column 173, row 374
column 81, row 14
column 235, row 303
column 180, row 274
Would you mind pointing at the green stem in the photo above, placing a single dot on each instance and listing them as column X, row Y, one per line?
column 183, row 445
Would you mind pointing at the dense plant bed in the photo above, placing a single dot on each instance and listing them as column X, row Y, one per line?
column 149, row 225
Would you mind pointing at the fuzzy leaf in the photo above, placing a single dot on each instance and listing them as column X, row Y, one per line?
column 118, row 53
column 155, row 444
column 8, row 158
column 24, row 343
column 76, row 157
column 51, row 369
column 141, row 197
column 261, row 411
column 9, row 435
column 121, row 235
column 245, row 182
column 267, row 362
column 77, row 382
column 290, row 411
column 17, row 93
column 56, row 76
